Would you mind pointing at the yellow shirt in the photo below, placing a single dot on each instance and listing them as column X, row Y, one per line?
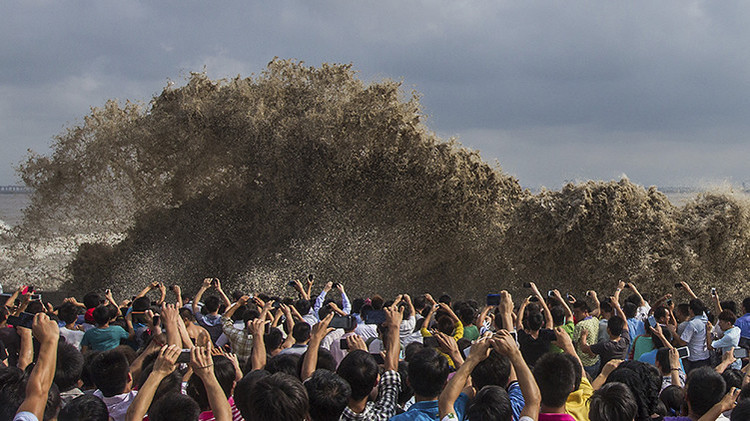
column 577, row 405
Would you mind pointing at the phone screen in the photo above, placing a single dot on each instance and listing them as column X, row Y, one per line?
column 683, row 352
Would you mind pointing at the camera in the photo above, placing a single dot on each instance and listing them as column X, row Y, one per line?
column 527, row 284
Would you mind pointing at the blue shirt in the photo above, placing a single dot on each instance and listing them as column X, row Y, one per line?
column 743, row 322
column 635, row 328
column 428, row 410
column 516, row 400
column 104, row 339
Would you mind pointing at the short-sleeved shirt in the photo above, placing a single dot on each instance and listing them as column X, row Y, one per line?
column 743, row 322
column 611, row 350
column 695, row 336
column 428, row 410
column 104, row 339
column 643, row 344
column 533, row 349
column 577, row 404
column 471, row 332
column 590, row 324
column 72, row 337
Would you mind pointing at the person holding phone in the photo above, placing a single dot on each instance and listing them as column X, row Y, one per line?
column 727, row 339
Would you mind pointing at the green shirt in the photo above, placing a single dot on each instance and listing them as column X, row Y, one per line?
column 471, row 333
column 591, row 324
column 568, row 327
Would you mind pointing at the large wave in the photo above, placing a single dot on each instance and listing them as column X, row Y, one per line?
column 304, row 169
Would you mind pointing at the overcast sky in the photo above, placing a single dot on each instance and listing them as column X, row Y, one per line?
column 553, row 90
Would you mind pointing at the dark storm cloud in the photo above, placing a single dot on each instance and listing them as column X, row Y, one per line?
column 603, row 84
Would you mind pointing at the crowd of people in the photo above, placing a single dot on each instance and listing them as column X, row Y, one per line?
column 165, row 355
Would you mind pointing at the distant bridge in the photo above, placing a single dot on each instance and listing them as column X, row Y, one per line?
column 14, row 189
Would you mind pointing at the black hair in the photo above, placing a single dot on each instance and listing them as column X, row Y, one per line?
column 493, row 370
column 250, row 314
column 746, row 305
column 406, row 392
column 325, row 361
column 103, row 314
column 278, row 397
column 361, row 371
column 170, row 384
column 412, row 349
column 660, row 312
column 534, row 321
column 282, row 363
column 490, row 403
column 615, row 325
column 696, row 306
column 582, row 305
column 273, row 339
column 211, row 303
column 328, row 395
column 110, row 370
column 174, row 407
column 67, row 312
column 605, row 307
column 13, row 383
column 727, row 316
column 445, row 324
column 673, row 398
column 741, row 412
column 86, row 375
column 141, row 304
column 303, row 306
column 465, row 313
column 225, row 373
column 729, row 305
column 86, row 407
column 428, row 372
column 733, row 378
column 657, row 342
column 357, row 305
column 377, row 302
column 244, row 387
column 92, row 299
column 705, row 388
column 69, row 366
column 419, row 302
column 445, row 298
column 556, row 377
column 613, row 402
column 644, row 381
column 558, row 315
column 630, row 309
column 301, row 331
column 3, row 313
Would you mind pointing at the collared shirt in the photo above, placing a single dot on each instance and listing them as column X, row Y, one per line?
column 728, row 342
column 117, row 405
column 385, row 405
column 577, row 404
column 695, row 336
column 240, row 339
column 591, row 325
column 743, row 322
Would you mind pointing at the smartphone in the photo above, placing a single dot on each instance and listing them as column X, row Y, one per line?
column 291, row 283
column 430, row 342
column 335, row 285
column 378, row 358
column 310, row 277
column 550, row 294
column 343, row 344
column 652, row 321
column 527, row 284
column 184, row 356
column 669, row 302
column 24, row 320
column 678, row 285
column 493, row 299
column 375, row 317
column 343, row 322
column 740, row 352
column 534, row 299
column 276, row 304
column 713, row 292
column 683, row 352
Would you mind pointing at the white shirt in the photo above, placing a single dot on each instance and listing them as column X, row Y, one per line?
column 72, row 337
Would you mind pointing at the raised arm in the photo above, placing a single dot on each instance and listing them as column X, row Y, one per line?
column 203, row 366
column 393, row 318
column 642, row 302
column 147, row 289
column 506, row 309
column 163, row 366
column 40, row 380
column 548, row 323
column 162, row 293
column 521, row 311
column 597, row 305
column 319, row 331
column 346, row 305
column 258, row 355
column 223, row 296
column 689, row 290
column 204, row 286
column 568, row 311
column 178, row 292
column 454, row 387
column 504, row 343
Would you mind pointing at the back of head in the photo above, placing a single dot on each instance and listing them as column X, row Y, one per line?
column 273, row 339
column 174, row 407
column 92, row 299
column 445, row 298
column 84, row 408
column 303, row 306
column 644, row 381
column 673, row 398
column 278, row 397
column 615, row 325
column 727, row 316
column 582, row 306
column 630, row 309
column 492, row 371
column 282, row 363
column 141, row 304
column 741, row 412
column 186, row 314
column 605, row 307
column 325, row 361
column 377, row 302
column 534, row 321
column 556, row 377
column 69, row 366
column 613, row 402
column 68, row 313
column 428, row 372
column 225, row 374
column 110, row 371
column 733, row 378
column 301, row 331
column 696, row 306
column 705, row 388
column 13, row 391
column 103, row 314
column 490, row 403
column 746, row 305
column 328, row 395
column 558, row 315
column 212, row 303
column 360, row 370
